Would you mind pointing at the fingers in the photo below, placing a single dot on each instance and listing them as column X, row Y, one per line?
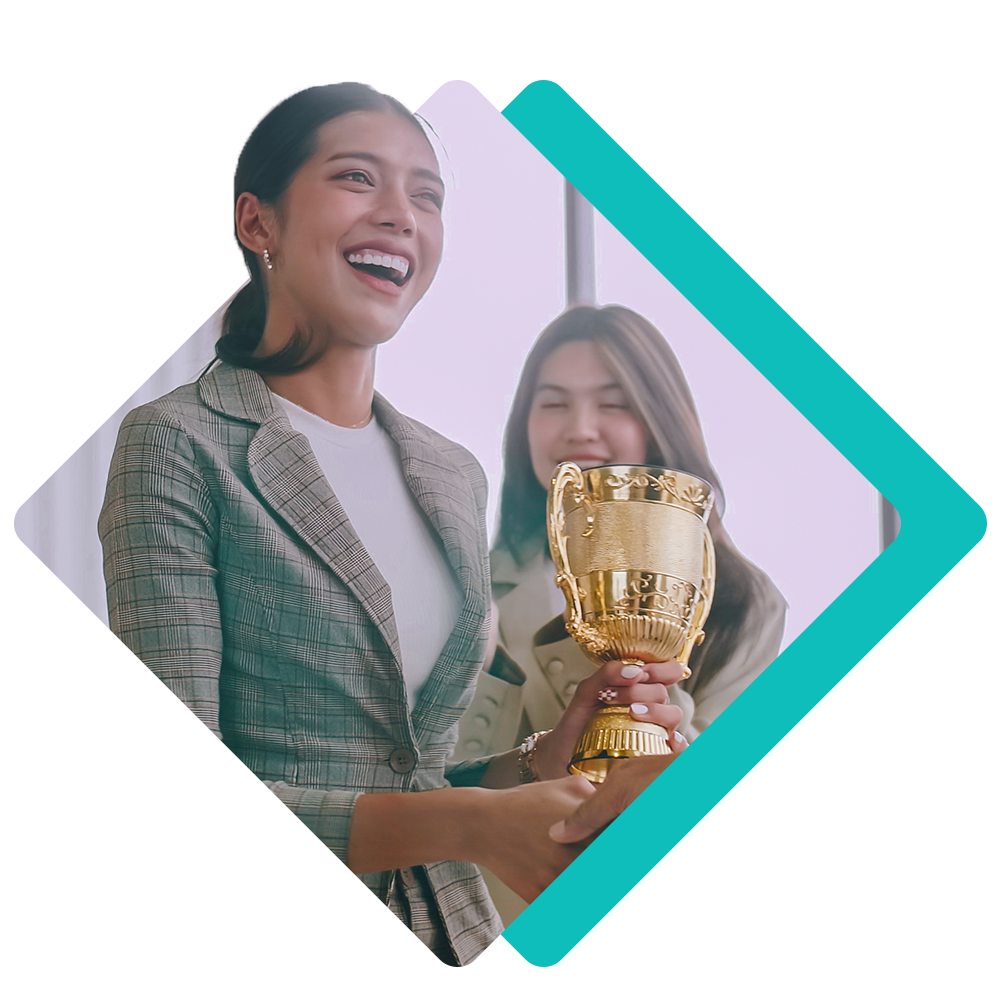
column 589, row 817
column 623, row 675
column 665, row 673
column 634, row 689
column 668, row 716
column 625, row 782
column 575, row 786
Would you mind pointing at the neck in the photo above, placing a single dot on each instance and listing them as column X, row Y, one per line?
column 339, row 387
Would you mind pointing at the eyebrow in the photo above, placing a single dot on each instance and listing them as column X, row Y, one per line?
column 562, row 388
column 372, row 158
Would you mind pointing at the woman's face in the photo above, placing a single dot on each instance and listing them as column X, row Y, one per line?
column 580, row 414
column 359, row 230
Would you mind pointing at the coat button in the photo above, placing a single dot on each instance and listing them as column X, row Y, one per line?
column 570, row 689
column 474, row 746
column 482, row 721
column 555, row 666
column 402, row 760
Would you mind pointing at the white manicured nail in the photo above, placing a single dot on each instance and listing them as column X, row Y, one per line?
column 630, row 671
column 639, row 709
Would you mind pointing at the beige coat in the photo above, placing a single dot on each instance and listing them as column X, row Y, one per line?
column 538, row 666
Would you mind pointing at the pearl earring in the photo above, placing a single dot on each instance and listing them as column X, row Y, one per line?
column 267, row 259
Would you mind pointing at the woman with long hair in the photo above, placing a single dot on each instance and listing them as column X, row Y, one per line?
column 306, row 568
column 601, row 386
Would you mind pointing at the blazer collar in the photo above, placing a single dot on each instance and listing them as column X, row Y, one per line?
column 236, row 392
column 289, row 479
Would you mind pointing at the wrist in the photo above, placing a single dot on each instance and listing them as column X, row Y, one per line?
column 470, row 817
column 401, row 829
column 527, row 768
column 551, row 757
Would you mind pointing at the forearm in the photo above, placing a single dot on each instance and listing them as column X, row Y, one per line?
column 401, row 829
column 504, row 829
column 503, row 771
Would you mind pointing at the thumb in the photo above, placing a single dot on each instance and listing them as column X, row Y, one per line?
column 586, row 820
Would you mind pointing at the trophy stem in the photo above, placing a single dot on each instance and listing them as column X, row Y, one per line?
column 612, row 735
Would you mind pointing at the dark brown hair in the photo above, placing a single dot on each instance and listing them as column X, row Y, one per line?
column 650, row 376
column 280, row 144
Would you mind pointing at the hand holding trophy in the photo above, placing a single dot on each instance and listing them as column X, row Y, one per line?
column 634, row 557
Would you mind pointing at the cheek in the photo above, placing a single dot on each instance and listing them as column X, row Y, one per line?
column 539, row 436
column 434, row 247
column 631, row 442
column 542, row 434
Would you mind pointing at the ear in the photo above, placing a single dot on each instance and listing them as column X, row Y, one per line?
column 255, row 223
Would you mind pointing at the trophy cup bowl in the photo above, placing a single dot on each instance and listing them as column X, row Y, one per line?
column 635, row 559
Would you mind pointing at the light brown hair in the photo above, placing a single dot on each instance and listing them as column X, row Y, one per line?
column 647, row 370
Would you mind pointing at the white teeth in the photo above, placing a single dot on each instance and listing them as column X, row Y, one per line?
column 400, row 264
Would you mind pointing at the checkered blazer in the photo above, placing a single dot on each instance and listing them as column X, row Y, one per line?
column 234, row 574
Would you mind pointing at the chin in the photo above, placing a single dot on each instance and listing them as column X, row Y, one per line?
column 372, row 328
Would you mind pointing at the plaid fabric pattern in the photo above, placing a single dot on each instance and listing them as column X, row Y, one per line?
column 234, row 574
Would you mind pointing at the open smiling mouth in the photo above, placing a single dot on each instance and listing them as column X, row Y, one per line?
column 389, row 267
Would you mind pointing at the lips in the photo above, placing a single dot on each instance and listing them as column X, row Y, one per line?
column 586, row 459
column 381, row 261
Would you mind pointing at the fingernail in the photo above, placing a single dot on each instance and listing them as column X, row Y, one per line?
column 558, row 830
column 631, row 670
column 679, row 739
column 639, row 709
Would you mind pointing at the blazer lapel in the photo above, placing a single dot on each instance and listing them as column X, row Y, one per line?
column 290, row 481
column 445, row 493
column 521, row 592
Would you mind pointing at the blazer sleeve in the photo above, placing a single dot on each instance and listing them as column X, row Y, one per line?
column 157, row 529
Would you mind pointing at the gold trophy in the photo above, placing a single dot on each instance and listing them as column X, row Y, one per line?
column 635, row 559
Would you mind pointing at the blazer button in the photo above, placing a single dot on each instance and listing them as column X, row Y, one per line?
column 555, row 666
column 570, row 689
column 483, row 722
column 402, row 760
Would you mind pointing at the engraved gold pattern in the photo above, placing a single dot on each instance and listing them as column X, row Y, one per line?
column 686, row 492
column 645, row 592
column 629, row 534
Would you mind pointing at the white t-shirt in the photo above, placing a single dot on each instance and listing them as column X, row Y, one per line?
column 363, row 469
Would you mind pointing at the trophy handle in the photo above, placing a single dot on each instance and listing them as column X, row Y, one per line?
column 696, row 633
column 568, row 476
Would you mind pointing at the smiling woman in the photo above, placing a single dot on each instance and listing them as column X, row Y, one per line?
column 602, row 386
column 307, row 568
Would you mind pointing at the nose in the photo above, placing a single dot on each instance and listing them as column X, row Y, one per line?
column 583, row 423
column 395, row 212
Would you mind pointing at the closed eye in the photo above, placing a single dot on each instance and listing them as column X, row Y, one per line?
column 358, row 176
column 433, row 197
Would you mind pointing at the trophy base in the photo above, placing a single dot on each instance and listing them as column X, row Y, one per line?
column 613, row 735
